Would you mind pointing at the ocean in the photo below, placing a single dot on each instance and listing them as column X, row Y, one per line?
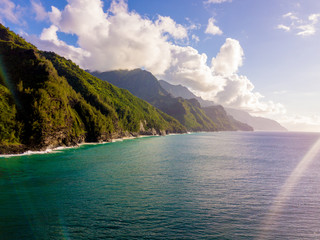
column 221, row 185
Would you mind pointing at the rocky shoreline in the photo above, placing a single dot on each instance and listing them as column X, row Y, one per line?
column 20, row 149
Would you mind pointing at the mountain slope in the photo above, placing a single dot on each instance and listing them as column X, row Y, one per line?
column 225, row 121
column 258, row 123
column 216, row 112
column 144, row 85
column 48, row 101
column 182, row 91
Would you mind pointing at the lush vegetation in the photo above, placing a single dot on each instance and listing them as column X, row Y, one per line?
column 144, row 85
column 217, row 113
column 225, row 121
column 48, row 101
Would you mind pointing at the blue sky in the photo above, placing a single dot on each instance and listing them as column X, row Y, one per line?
column 261, row 56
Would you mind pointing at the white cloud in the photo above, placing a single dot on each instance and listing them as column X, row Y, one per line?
column 290, row 15
column 306, row 30
column 192, row 25
column 39, row 10
column 167, row 25
column 216, row 1
column 212, row 28
column 239, row 93
column 50, row 34
column 190, row 68
column 54, row 15
column 49, row 41
column 301, row 27
column 314, row 18
column 301, row 123
column 122, row 39
column 283, row 27
column 9, row 11
column 118, row 38
column 229, row 59
column 195, row 38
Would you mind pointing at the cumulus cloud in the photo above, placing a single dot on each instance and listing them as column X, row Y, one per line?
column 49, row 41
column 167, row 25
column 118, row 38
column 229, row 59
column 123, row 39
column 190, row 68
column 238, row 91
column 212, row 28
column 9, row 11
column 39, row 10
column 300, row 26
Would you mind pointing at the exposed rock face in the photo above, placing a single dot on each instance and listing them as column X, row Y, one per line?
column 142, row 126
column 13, row 149
column 60, row 139
column 163, row 133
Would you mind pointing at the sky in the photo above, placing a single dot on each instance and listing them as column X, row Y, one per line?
column 262, row 56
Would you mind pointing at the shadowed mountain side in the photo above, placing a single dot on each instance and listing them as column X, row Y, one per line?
column 258, row 123
column 47, row 101
column 184, row 92
column 225, row 121
column 144, row 85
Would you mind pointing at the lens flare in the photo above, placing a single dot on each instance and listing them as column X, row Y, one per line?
column 4, row 78
column 286, row 190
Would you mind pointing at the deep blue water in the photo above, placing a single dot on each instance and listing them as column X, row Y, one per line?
column 195, row 186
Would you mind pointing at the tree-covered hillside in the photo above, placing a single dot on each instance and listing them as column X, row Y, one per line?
column 225, row 121
column 144, row 85
column 48, row 101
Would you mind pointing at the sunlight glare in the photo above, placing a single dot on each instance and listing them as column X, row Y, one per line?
column 286, row 190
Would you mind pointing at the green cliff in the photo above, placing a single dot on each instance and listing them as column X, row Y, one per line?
column 144, row 85
column 48, row 101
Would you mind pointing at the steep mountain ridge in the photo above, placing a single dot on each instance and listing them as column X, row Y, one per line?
column 184, row 92
column 218, row 114
column 258, row 123
column 48, row 101
column 188, row 111
column 144, row 85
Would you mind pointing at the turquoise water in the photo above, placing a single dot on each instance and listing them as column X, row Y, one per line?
column 195, row 186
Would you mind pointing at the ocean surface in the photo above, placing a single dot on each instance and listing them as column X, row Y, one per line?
column 224, row 185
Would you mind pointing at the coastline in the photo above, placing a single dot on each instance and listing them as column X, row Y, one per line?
column 56, row 149
column 77, row 145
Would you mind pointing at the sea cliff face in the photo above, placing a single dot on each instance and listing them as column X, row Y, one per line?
column 47, row 101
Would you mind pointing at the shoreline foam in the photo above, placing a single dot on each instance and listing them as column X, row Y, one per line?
column 57, row 149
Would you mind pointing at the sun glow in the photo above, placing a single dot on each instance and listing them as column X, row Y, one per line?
column 286, row 190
